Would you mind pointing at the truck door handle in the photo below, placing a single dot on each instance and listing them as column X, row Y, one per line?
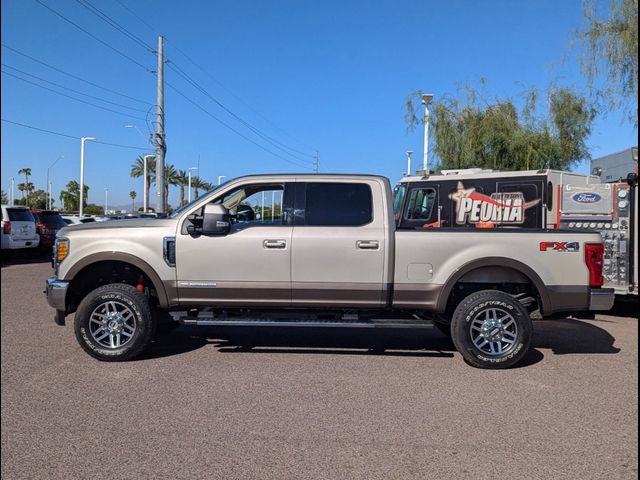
column 274, row 244
column 367, row 245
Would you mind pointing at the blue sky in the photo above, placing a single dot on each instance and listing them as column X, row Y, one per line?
column 328, row 76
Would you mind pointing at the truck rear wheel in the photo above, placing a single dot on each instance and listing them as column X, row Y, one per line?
column 114, row 322
column 491, row 329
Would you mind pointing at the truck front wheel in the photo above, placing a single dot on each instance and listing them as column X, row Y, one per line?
column 114, row 322
column 491, row 329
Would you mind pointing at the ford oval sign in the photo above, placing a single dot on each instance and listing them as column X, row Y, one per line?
column 586, row 197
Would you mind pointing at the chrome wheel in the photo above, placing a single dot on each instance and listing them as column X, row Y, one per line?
column 112, row 324
column 494, row 331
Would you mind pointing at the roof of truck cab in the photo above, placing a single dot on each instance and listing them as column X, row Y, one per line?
column 311, row 176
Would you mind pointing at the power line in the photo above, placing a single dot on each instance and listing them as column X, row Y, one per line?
column 74, row 76
column 31, row 127
column 261, row 134
column 93, row 36
column 233, row 129
column 237, row 97
column 71, row 97
column 142, row 20
column 103, row 16
column 71, row 89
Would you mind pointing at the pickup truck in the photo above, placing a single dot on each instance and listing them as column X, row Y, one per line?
column 319, row 250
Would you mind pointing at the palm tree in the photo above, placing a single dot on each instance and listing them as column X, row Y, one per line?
column 182, row 180
column 133, row 195
column 197, row 184
column 137, row 170
column 170, row 178
column 26, row 171
column 22, row 187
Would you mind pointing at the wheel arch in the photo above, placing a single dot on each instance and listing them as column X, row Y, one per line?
column 95, row 260
column 510, row 270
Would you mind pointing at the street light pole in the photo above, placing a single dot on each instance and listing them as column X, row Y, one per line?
column 49, row 205
column 427, row 98
column 11, row 197
column 189, row 189
column 106, row 199
column 409, row 152
column 82, row 140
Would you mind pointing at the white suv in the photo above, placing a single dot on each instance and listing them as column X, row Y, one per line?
column 18, row 228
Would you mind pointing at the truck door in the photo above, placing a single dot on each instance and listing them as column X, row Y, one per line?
column 339, row 243
column 251, row 266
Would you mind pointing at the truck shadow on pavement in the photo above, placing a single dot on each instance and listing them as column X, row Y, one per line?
column 566, row 336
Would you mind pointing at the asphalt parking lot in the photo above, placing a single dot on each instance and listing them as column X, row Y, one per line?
column 312, row 404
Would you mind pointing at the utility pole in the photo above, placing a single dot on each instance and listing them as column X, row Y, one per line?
column 316, row 162
column 161, row 147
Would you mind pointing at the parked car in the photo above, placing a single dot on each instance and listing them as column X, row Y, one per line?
column 48, row 222
column 76, row 220
column 18, row 228
column 332, row 252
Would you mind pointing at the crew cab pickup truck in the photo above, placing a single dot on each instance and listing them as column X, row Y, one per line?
column 319, row 250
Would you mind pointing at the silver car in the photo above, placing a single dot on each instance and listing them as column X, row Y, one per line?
column 18, row 228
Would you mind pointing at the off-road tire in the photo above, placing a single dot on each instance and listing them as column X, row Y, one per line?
column 137, row 302
column 475, row 307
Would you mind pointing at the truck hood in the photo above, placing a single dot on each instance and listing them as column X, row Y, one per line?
column 124, row 223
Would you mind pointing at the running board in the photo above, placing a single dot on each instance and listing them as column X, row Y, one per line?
column 250, row 322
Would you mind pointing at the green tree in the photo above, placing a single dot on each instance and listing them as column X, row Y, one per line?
column 197, row 184
column 497, row 135
column 27, row 186
column 38, row 199
column 182, row 180
column 70, row 198
column 5, row 200
column 137, row 170
column 133, row 195
column 93, row 209
column 610, row 53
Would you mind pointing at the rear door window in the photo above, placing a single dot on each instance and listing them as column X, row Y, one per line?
column 420, row 204
column 338, row 204
column 20, row 215
column 51, row 219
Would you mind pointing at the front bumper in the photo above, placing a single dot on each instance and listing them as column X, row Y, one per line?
column 601, row 298
column 57, row 293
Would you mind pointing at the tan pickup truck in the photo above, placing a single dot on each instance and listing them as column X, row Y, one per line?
column 319, row 250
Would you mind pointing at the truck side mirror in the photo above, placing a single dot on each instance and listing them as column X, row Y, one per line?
column 632, row 179
column 216, row 220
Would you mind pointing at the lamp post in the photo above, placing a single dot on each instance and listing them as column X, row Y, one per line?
column 145, row 192
column 189, row 190
column 11, row 198
column 427, row 98
column 409, row 153
column 49, row 205
column 82, row 140
column 220, row 177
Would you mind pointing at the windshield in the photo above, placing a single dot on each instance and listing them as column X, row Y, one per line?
column 398, row 196
column 180, row 210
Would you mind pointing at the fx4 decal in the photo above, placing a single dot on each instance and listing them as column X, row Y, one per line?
column 560, row 246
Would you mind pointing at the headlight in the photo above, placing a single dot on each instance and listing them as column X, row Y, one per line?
column 61, row 249
column 622, row 193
